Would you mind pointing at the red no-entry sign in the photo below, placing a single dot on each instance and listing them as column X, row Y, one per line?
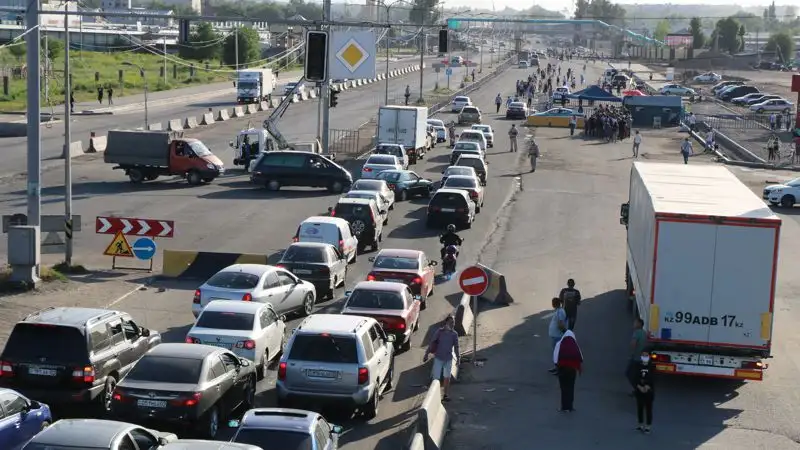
column 473, row 281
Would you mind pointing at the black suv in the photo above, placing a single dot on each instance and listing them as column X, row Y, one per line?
column 365, row 218
column 292, row 168
column 63, row 355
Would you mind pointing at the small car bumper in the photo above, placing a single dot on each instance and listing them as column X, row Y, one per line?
column 196, row 309
column 360, row 397
column 130, row 412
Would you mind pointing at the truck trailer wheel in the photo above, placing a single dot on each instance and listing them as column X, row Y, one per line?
column 136, row 176
column 193, row 178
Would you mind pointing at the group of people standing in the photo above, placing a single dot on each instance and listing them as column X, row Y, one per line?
column 611, row 124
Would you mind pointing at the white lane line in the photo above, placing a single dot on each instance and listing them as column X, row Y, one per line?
column 129, row 293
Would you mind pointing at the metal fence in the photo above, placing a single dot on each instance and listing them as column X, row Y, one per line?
column 351, row 142
column 759, row 122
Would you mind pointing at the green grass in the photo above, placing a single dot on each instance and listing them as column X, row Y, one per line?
column 85, row 64
column 47, row 274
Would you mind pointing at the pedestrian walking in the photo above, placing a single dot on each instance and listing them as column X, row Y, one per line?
column 772, row 120
column 533, row 154
column 443, row 346
column 72, row 102
column 512, row 136
column 509, row 100
column 568, row 358
column 692, row 121
column 571, row 299
column 645, row 394
column 100, row 95
column 473, row 75
column 636, row 348
column 558, row 324
column 637, row 141
column 573, row 122
column 686, row 150
column 498, row 102
column 407, row 94
column 110, row 95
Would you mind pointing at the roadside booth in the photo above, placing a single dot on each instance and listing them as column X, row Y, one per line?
column 654, row 110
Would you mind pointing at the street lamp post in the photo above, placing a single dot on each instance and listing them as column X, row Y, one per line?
column 388, row 21
column 144, row 78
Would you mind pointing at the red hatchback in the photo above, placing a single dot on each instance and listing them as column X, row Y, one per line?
column 410, row 267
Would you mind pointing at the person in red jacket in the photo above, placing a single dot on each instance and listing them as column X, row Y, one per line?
column 568, row 358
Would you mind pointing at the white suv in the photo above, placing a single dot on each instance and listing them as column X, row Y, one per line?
column 336, row 359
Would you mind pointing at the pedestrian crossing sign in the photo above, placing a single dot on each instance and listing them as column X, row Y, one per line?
column 119, row 247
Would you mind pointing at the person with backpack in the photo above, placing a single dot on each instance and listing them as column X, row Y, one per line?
column 443, row 345
column 571, row 299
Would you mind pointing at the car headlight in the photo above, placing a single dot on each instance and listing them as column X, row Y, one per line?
column 211, row 166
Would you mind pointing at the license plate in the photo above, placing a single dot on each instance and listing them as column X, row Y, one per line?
column 42, row 372
column 394, row 280
column 448, row 210
column 302, row 271
column 322, row 373
column 151, row 403
column 706, row 360
column 219, row 344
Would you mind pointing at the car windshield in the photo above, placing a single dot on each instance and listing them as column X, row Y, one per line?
column 364, row 298
column 460, row 182
column 51, row 342
column 396, row 262
column 298, row 253
column 388, row 149
column 225, row 320
column 475, row 163
column 367, row 185
column 482, row 129
column 389, row 176
column 381, row 159
column 166, row 369
column 795, row 182
column 49, row 446
column 515, row 105
column 233, row 280
column 465, row 146
column 448, row 199
column 247, row 84
column 460, row 100
column 470, row 136
column 274, row 439
column 454, row 170
column 469, row 110
column 324, row 348
column 199, row 148
column 350, row 211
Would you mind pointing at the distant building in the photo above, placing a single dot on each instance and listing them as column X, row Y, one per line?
column 115, row 4
column 141, row 16
column 196, row 5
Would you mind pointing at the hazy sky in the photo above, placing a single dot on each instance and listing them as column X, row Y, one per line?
column 556, row 5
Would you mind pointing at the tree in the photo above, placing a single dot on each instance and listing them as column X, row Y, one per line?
column 249, row 47
column 741, row 33
column 781, row 43
column 55, row 48
column 662, row 30
column 204, row 43
column 18, row 50
column 696, row 29
column 424, row 11
column 728, row 32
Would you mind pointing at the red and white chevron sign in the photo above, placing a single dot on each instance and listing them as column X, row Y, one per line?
column 135, row 227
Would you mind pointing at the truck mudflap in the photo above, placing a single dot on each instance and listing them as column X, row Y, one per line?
column 708, row 365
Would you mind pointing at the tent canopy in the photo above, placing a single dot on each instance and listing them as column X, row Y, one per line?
column 595, row 93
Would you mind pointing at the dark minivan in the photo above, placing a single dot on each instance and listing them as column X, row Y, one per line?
column 739, row 92
column 292, row 168
column 450, row 206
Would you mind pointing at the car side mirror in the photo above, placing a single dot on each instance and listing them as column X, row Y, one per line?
column 383, row 211
column 371, row 259
column 230, row 143
column 348, row 293
column 433, row 263
column 233, row 423
column 162, row 440
column 390, row 338
column 282, row 318
column 144, row 332
column 336, row 429
column 244, row 362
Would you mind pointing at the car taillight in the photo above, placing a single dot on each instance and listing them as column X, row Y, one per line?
column 84, row 374
column 363, row 375
column 247, row 298
column 280, row 265
column 246, row 344
column 192, row 400
column 473, row 194
column 435, row 208
column 460, row 210
column 119, row 396
column 655, row 357
column 752, row 365
column 325, row 269
column 192, row 340
column 282, row 371
column 367, row 169
column 371, row 277
column 341, row 245
column 392, row 187
column 197, row 295
column 6, row 369
column 411, row 151
column 295, row 239
column 416, row 280
column 372, row 215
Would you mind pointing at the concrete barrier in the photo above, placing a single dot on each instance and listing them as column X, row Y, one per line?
column 251, row 109
column 275, row 101
column 238, row 111
column 154, row 126
column 432, row 418
column 263, row 106
column 464, row 316
column 352, row 83
column 222, row 115
column 74, row 149
column 207, row 119
column 295, row 98
column 344, row 86
column 174, row 125
column 97, row 144
column 190, row 122
column 496, row 292
column 202, row 265
column 312, row 93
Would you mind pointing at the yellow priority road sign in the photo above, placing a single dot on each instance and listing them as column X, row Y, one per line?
column 119, row 247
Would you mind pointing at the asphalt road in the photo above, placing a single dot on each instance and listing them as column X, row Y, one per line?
column 231, row 216
column 13, row 150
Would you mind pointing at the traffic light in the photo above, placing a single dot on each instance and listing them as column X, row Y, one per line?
column 183, row 31
column 316, row 65
column 443, row 37
column 333, row 98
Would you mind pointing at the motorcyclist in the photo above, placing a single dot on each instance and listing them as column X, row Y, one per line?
column 449, row 237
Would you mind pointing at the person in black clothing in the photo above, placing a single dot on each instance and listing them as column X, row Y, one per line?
column 571, row 299
column 645, row 394
column 450, row 237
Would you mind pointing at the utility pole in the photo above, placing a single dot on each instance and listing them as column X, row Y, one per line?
column 47, row 69
column 321, row 106
column 165, row 61
column 34, row 166
column 325, row 91
column 236, row 45
column 422, row 44
column 758, row 49
column 67, row 138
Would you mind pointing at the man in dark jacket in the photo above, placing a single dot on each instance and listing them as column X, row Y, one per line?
column 571, row 299
column 645, row 394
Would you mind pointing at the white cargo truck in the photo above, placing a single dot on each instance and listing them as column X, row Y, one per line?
column 404, row 125
column 702, row 255
column 254, row 85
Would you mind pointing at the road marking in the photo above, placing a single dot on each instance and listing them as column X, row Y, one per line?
column 473, row 281
column 129, row 293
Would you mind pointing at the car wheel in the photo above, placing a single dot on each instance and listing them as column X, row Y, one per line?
column 386, row 220
column 370, row 410
column 390, row 376
column 136, row 176
column 344, row 278
column 406, row 346
column 210, row 424
column 427, row 193
column 108, row 393
column 308, row 304
column 478, row 208
column 249, row 399
column 273, row 185
column 787, row 201
column 207, row 180
column 403, row 195
column 468, row 224
column 193, row 178
column 355, row 257
column 336, row 187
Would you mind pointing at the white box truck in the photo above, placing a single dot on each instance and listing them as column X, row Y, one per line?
column 404, row 125
column 702, row 256
column 254, row 85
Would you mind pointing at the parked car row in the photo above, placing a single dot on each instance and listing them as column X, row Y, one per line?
column 741, row 94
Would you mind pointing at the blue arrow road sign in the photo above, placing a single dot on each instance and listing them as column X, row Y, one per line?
column 448, row 72
column 144, row 248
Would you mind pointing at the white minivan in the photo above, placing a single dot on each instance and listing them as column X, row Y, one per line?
column 329, row 230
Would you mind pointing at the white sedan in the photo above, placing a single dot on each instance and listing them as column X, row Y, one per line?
column 257, row 283
column 774, row 105
column 487, row 131
column 708, row 77
column 676, row 89
column 250, row 330
column 378, row 163
column 459, row 103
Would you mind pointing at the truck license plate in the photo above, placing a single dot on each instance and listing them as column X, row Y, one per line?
column 42, row 372
column 151, row 403
column 706, row 360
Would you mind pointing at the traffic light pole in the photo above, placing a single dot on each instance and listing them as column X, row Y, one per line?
column 325, row 92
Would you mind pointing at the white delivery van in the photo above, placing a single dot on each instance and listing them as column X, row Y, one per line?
column 329, row 230
column 404, row 125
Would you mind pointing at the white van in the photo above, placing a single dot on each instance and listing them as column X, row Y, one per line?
column 609, row 74
column 329, row 230
column 473, row 136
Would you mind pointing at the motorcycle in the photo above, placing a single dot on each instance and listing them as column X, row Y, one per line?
column 449, row 260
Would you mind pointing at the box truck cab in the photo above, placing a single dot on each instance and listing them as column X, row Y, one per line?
column 702, row 257
column 254, row 85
